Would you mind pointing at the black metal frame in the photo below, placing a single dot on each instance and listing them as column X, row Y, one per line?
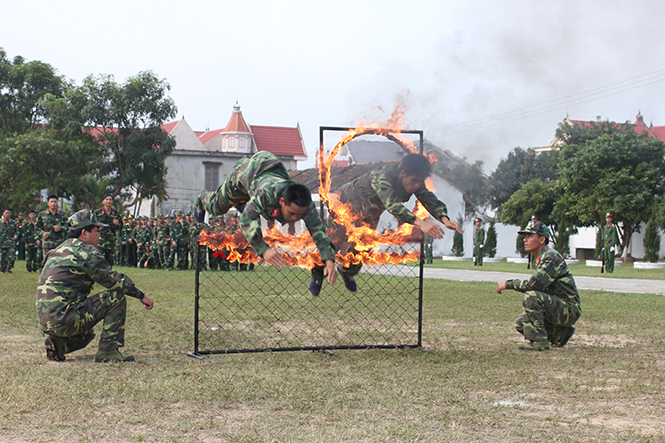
column 198, row 352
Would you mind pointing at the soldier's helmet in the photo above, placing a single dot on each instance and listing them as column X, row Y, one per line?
column 83, row 219
column 536, row 227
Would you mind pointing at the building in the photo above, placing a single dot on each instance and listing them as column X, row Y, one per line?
column 204, row 159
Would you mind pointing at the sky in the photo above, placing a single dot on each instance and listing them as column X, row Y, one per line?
column 479, row 78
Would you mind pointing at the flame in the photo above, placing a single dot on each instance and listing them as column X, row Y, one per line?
column 301, row 251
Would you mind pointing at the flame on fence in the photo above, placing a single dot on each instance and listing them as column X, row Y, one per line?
column 301, row 251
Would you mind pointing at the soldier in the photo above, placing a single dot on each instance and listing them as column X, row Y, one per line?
column 67, row 312
column 8, row 237
column 108, row 236
column 479, row 243
column 156, row 250
column 429, row 249
column 195, row 229
column 609, row 236
column 32, row 243
column 532, row 258
column 20, row 242
column 164, row 242
column 143, row 236
column 179, row 242
column 551, row 304
column 51, row 226
column 261, row 186
column 386, row 188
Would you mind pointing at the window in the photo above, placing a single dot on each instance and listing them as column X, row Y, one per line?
column 211, row 176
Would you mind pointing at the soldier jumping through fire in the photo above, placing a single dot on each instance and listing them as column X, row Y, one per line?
column 386, row 188
column 261, row 186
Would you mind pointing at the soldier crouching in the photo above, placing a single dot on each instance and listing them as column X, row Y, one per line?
column 66, row 310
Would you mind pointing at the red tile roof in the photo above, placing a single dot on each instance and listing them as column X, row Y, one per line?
column 170, row 126
column 237, row 122
column 205, row 137
column 279, row 140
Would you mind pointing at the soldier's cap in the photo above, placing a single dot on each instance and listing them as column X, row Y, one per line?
column 190, row 213
column 536, row 227
column 168, row 216
column 609, row 214
column 32, row 211
column 83, row 219
column 178, row 213
column 533, row 217
column 160, row 215
column 478, row 220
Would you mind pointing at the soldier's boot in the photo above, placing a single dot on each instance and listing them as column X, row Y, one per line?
column 349, row 281
column 112, row 355
column 315, row 287
column 562, row 336
column 541, row 345
column 55, row 348
column 79, row 341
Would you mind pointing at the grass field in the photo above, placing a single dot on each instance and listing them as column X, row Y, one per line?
column 468, row 384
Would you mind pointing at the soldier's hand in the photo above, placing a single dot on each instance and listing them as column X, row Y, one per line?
column 451, row 224
column 116, row 221
column 174, row 244
column 46, row 235
column 147, row 301
column 330, row 272
column 57, row 228
column 429, row 228
column 274, row 258
column 500, row 287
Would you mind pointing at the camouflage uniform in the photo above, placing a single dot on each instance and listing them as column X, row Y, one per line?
column 179, row 236
column 143, row 237
column 108, row 237
column 163, row 240
column 194, row 230
column 8, row 237
column 66, row 310
column 478, row 245
column 20, row 240
column 376, row 192
column 551, row 303
column 30, row 239
column 45, row 224
column 258, row 183
column 429, row 240
column 609, row 237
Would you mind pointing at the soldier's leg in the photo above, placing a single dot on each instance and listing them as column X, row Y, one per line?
column 226, row 196
column 609, row 261
column 534, row 306
column 11, row 259
column 3, row 259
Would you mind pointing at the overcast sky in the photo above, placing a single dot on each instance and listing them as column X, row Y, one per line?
column 478, row 77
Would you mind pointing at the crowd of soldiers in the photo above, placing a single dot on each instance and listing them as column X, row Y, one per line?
column 161, row 242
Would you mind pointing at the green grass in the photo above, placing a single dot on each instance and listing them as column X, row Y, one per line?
column 468, row 384
column 581, row 269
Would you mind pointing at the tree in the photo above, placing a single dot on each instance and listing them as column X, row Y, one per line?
column 90, row 192
column 128, row 118
column 470, row 180
column 458, row 241
column 651, row 242
column 490, row 241
column 22, row 85
column 619, row 171
column 519, row 168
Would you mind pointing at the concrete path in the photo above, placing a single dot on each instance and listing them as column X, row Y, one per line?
column 597, row 283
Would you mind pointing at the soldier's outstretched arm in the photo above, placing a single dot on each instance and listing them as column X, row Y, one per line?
column 330, row 272
column 451, row 224
column 147, row 301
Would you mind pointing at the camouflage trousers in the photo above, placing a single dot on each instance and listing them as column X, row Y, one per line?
column 546, row 317
column 7, row 257
column 202, row 256
column 32, row 259
column 183, row 255
column 109, row 307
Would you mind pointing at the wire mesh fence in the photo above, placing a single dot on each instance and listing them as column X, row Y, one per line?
column 271, row 309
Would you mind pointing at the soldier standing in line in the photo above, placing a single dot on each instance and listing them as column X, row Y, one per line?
column 609, row 236
column 212, row 230
column 108, row 236
column 164, row 241
column 156, row 252
column 32, row 243
column 261, row 187
column 8, row 237
column 429, row 249
column 132, row 249
column 20, row 242
column 51, row 226
column 195, row 229
column 67, row 312
column 143, row 236
column 551, row 303
column 386, row 188
column 179, row 242
column 479, row 243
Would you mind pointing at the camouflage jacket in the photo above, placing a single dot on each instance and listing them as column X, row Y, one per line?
column 67, row 279
column 30, row 234
column 108, row 235
column 194, row 231
column 179, row 234
column 382, row 190
column 552, row 277
column 45, row 223
column 8, row 231
column 163, row 233
column 143, row 235
column 260, row 181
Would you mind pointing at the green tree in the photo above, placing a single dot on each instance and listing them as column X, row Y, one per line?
column 90, row 192
column 651, row 242
column 22, row 85
column 519, row 168
column 458, row 241
column 470, row 180
column 128, row 118
column 619, row 170
column 491, row 240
